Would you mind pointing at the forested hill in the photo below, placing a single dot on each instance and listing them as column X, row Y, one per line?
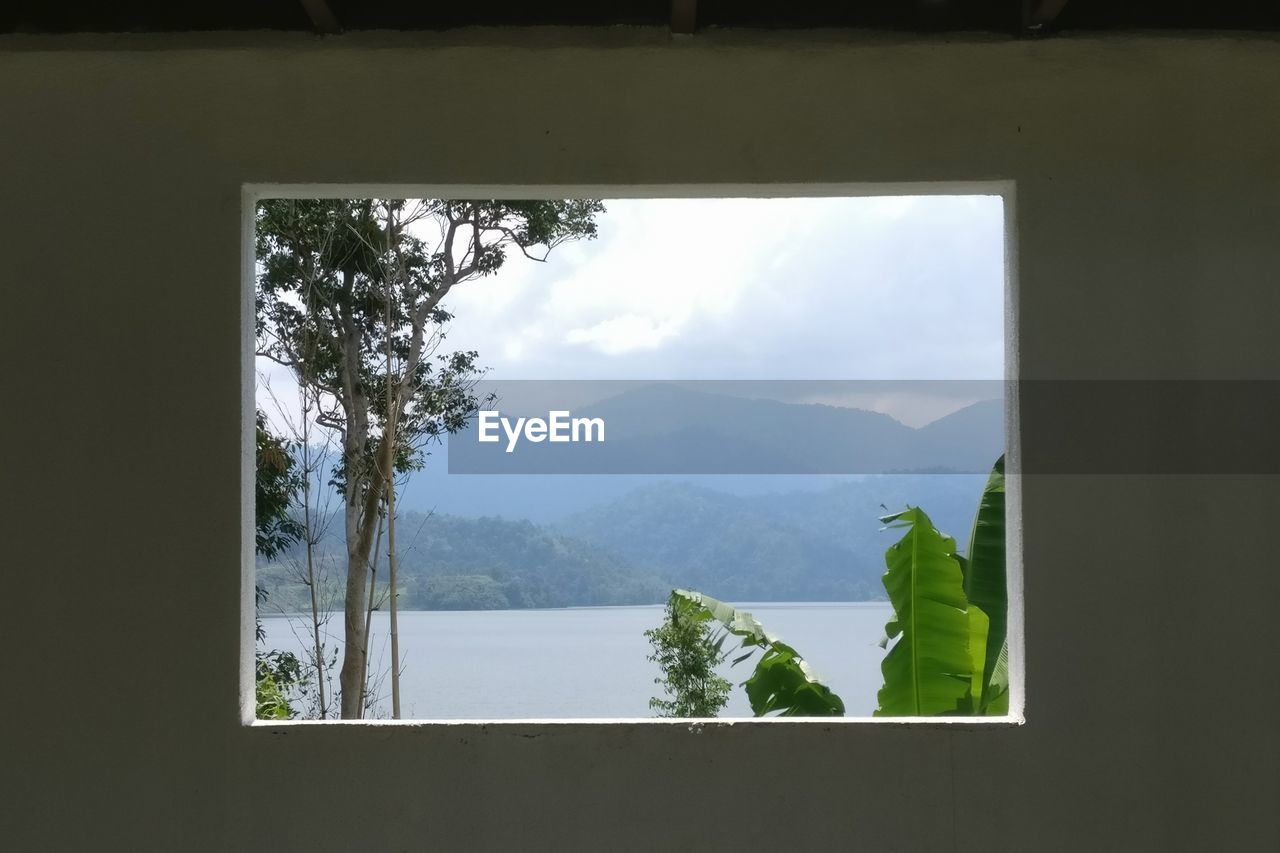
column 812, row 545
column 825, row 545
column 451, row 563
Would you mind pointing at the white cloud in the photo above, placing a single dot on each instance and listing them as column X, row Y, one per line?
column 714, row 288
column 622, row 334
column 820, row 288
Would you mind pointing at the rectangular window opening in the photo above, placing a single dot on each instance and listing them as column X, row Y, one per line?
column 631, row 455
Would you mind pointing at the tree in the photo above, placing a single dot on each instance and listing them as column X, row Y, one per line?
column 782, row 683
column 311, row 512
column 684, row 649
column 275, row 482
column 339, row 281
column 275, row 529
column 276, row 674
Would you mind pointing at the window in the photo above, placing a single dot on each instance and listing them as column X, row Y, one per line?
column 545, row 416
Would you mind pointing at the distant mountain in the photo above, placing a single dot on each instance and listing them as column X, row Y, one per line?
column 801, row 546
column 550, row 540
column 766, row 436
column 722, row 544
column 675, row 430
column 848, row 512
column 549, row 498
column 805, row 545
column 967, row 439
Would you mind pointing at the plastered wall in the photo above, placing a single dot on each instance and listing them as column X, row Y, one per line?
column 1147, row 175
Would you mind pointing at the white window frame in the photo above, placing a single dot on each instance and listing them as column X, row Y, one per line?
column 1005, row 189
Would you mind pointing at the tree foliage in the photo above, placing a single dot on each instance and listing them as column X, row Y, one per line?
column 277, row 673
column 275, row 482
column 338, row 277
column 782, row 683
column 462, row 592
column 687, row 653
column 346, row 288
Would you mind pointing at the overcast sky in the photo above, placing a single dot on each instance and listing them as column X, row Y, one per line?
column 817, row 288
column 852, row 288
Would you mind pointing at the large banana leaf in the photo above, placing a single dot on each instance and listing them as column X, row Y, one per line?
column 783, row 682
column 986, row 585
column 929, row 671
column 979, row 633
column 995, row 697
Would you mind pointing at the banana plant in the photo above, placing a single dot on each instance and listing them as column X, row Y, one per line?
column 783, row 683
column 950, row 620
column 986, row 585
column 950, row 615
column 929, row 671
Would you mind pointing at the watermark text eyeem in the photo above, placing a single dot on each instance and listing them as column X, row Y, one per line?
column 559, row 426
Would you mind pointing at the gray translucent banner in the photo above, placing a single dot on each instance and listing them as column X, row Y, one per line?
column 733, row 427
column 872, row 427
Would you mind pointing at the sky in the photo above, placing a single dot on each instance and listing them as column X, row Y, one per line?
column 886, row 288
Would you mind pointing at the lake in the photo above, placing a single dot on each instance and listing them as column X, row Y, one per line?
column 585, row 662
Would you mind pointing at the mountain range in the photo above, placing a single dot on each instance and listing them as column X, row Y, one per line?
column 810, row 545
column 495, row 541
column 672, row 429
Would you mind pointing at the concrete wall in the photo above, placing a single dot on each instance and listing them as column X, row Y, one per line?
column 1148, row 186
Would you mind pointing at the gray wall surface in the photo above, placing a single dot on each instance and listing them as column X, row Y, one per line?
column 1147, row 175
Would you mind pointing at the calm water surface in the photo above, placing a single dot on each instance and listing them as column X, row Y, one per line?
column 586, row 662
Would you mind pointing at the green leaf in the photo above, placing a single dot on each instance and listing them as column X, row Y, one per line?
column 928, row 671
column 979, row 631
column 995, row 698
column 985, row 580
column 783, row 683
column 271, row 701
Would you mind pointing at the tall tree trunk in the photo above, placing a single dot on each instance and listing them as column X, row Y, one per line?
column 391, row 583
column 363, row 494
column 311, row 560
column 353, row 446
column 368, row 615
column 390, row 437
column 352, row 672
column 362, row 523
column 361, row 507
